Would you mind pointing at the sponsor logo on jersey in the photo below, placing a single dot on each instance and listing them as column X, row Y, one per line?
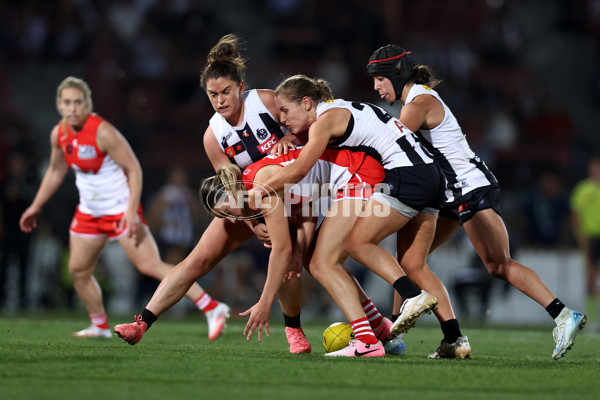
column 245, row 133
column 86, row 152
column 267, row 145
column 227, row 136
column 262, row 134
column 460, row 184
column 235, row 149
column 69, row 149
column 399, row 125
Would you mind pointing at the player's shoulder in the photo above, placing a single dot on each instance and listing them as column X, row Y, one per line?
column 267, row 97
column 54, row 132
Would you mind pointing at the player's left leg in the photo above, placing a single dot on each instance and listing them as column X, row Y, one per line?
column 378, row 222
column 145, row 256
column 489, row 237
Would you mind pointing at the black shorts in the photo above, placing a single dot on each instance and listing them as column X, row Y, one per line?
column 419, row 186
column 466, row 206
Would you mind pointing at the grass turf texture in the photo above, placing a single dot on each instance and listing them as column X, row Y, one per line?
column 40, row 360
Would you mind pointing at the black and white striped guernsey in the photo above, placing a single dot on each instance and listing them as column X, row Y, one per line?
column 464, row 171
column 255, row 136
column 372, row 130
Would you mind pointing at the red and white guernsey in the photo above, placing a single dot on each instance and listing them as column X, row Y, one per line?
column 341, row 172
column 102, row 184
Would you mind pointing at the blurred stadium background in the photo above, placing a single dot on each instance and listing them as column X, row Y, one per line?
column 522, row 77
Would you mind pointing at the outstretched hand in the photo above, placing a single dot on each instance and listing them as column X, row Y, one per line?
column 259, row 318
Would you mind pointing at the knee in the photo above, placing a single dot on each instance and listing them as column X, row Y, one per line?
column 353, row 245
column 79, row 271
column 413, row 265
column 149, row 269
column 316, row 269
column 498, row 268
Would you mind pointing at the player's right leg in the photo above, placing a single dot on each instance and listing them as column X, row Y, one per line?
column 289, row 296
column 84, row 253
column 326, row 267
column 423, row 228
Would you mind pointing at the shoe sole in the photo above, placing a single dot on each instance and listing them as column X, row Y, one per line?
column 571, row 342
column 374, row 354
column 303, row 351
column 410, row 321
column 461, row 357
column 91, row 336
column 125, row 340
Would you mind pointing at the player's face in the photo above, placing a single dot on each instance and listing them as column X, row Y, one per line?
column 225, row 96
column 385, row 88
column 228, row 209
column 294, row 116
column 73, row 106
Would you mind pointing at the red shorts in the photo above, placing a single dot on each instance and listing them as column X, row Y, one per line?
column 363, row 182
column 86, row 225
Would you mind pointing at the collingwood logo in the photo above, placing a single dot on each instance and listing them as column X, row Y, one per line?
column 262, row 134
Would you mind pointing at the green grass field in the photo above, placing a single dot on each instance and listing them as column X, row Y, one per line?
column 40, row 360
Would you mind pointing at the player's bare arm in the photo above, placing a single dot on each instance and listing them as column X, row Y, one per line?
column 112, row 142
column 53, row 178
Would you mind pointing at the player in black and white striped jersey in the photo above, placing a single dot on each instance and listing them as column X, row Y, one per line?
column 472, row 192
column 242, row 131
column 413, row 185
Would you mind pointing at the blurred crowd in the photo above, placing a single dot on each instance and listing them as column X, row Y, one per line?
column 522, row 79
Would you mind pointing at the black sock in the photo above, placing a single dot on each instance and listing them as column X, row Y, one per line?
column 148, row 317
column 450, row 330
column 394, row 317
column 405, row 288
column 292, row 322
column 555, row 307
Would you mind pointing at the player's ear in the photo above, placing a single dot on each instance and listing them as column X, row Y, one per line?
column 306, row 103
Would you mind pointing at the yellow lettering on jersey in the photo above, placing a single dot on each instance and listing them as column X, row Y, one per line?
column 427, row 87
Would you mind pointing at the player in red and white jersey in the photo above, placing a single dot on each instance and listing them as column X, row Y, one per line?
column 472, row 192
column 243, row 130
column 335, row 171
column 109, row 180
column 414, row 186
column 341, row 174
